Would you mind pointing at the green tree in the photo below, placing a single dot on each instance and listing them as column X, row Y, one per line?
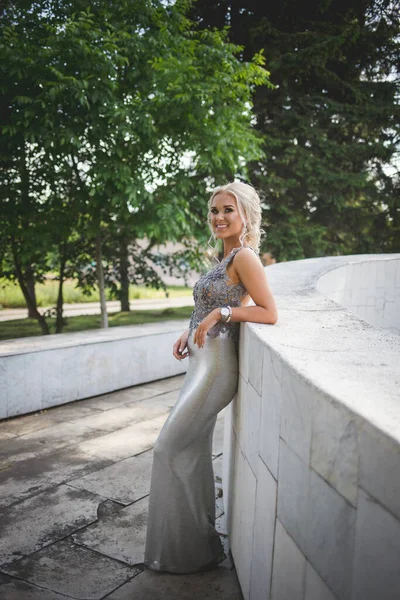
column 331, row 125
column 110, row 100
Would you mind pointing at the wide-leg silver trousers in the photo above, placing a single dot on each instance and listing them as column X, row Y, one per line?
column 181, row 534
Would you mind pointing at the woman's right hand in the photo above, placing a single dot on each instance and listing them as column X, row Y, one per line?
column 181, row 345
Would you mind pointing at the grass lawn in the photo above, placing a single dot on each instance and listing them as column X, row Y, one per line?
column 46, row 293
column 19, row 328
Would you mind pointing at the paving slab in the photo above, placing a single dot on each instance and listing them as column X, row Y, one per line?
column 166, row 399
column 39, row 443
column 124, row 481
column 15, row 589
column 44, row 418
column 121, row 535
column 166, row 385
column 119, row 417
column 124, row 396
column 22, row 479
column 129, row 441
column 43, row 519
column 218, row 584
column 72, row 570
column 74, row 485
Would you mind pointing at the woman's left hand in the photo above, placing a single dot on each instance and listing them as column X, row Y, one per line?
column 200, row 334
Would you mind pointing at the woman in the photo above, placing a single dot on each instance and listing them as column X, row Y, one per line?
column 181, row 534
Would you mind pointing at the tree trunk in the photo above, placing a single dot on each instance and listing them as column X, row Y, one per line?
column 100, row 281
column 124, row 264
column 26, row 275
column 24, row 288
column 60, row 298
column 30, row 284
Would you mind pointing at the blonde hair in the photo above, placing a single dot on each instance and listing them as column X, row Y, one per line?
column 249, row 208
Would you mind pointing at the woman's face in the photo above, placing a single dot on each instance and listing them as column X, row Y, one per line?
column 225, row 218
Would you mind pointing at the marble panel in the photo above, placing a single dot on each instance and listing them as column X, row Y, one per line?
column 251, row 409
column 271, row 402
column 236, row 501
column 397, row 273
column 243, row 565
column 87, row 375
column 380, row 276
column 255, row 365
column 298, row 400
column 315, row 587
column 334, row 448
column 377, row 552
column 228, row 462
column 293, row 494
column 380, row 467
column 54, row 363
column 3, row 388
column 330, row 524
column 244, row 351
column 237, row 408
column 288, row 567
column 264, row 529
column 52, row 374
column 24, row 383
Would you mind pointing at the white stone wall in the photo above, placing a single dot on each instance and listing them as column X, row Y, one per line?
column 37, row 373
column 370, row 288
column 312, row 448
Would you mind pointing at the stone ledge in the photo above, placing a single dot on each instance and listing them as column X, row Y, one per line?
column 341, row 355
column 314, row 439
column 37, row 373
column 91, row 336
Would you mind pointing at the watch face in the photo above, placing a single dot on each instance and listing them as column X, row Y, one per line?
column 225, row 311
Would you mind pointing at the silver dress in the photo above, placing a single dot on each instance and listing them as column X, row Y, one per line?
column 181, row 534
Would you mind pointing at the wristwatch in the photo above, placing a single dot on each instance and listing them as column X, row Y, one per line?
column 226, row 313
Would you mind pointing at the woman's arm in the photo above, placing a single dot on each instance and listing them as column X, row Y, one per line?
column 251, row 273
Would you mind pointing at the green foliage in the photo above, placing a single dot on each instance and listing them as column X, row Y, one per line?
column 29, row 327
column 101, row 105
column 330, row 172
column 46, row 293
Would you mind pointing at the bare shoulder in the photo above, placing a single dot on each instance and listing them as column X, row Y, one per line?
column 247, row 258
column 252, row 274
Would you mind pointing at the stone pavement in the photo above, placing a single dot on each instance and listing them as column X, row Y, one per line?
column 74, row 484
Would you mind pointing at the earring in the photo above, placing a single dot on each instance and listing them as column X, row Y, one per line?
column 243, row 234
column 213, row 248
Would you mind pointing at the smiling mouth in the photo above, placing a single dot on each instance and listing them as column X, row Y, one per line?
column 221, row 226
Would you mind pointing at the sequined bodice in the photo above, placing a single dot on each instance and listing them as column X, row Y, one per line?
column 213, row 290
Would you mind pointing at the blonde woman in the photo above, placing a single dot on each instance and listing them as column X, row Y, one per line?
column 181, row 534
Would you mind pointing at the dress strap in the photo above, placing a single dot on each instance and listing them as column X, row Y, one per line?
column 234, row 251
